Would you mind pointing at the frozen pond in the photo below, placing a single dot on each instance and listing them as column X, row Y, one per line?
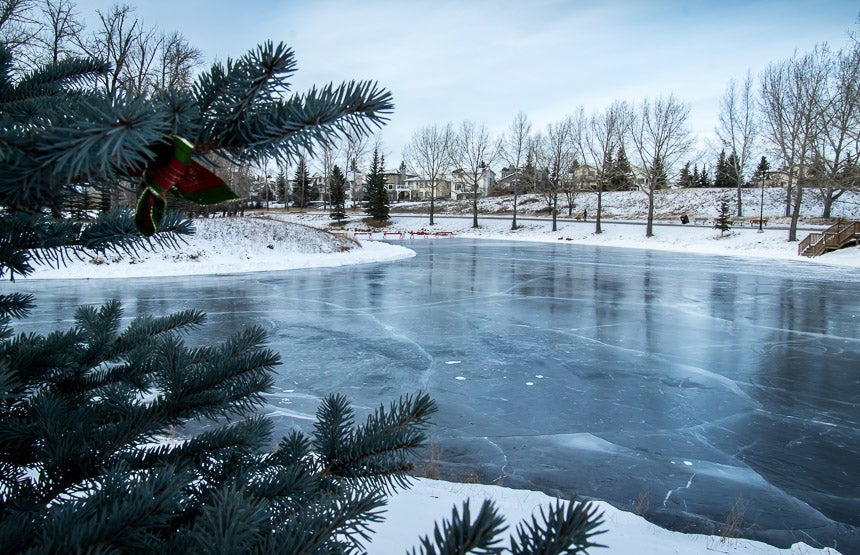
column 673, row 384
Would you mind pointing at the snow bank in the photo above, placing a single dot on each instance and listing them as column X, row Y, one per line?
column 411, row 515
column 234, row 245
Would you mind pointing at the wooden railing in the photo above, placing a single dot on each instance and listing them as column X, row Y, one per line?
column 834, row 237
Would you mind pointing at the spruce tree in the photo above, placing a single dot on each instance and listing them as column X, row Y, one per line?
column 721, row 174
column 377, row 196
column 281, row 186
column 684, row 176
column 734, row 176
column 661, row 178
column 338, row 194
column 622, row 171
column 705, row 178
column 301, row 185
column 760, row 172
column 723, row 221
column 88, row 457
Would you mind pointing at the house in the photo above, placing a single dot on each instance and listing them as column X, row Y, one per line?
column 512, row 179
column 462, row 186
column 421, row 188
column 395, row 184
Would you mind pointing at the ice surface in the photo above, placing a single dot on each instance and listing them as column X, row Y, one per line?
column 596, row 371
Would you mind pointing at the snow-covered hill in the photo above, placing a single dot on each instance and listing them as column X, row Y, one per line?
column 668, row 204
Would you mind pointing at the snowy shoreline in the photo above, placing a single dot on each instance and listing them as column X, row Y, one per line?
column 264, row 243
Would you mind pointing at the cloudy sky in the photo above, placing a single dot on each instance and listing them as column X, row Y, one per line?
column 446, row 61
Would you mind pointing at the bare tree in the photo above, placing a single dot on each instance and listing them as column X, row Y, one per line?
column 113, row 41
column 515, row 146
column 353, row 149
column 18, row 26
column 556, row 155
column 326, row 160
column 473, row 152
column 659, row 133
column 56, row 37
column 136, row 77
column 737, row 129
column 839, row 146
column 793, row 107
column 596, row 141
column 175, row 63
column 429, row 155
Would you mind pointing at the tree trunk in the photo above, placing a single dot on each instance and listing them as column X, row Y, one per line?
column 514, row 220
column 649, row 227
column 795, row 214
column 432, row 200
column 597, row 228
column 475, row 207
column 740, row 202
column 555, row 212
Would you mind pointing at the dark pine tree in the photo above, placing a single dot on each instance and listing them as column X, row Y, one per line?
column 734, row 176
column 87, row 461
column 301, row 185
column 337, row 189
column 622, row 172
column 724, row 217
column 760, row 173
column 377, row 196
column 705, row 178
column 696, row 182
column 661, row 178
column 721, row 174
column 281, row 186
column 685, row 178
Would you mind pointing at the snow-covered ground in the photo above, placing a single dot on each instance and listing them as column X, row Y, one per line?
column 411, row 514
column 283, row 241
column 669, row 204
column 229, row 246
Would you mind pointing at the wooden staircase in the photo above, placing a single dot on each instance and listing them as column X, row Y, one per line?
column 834, row 237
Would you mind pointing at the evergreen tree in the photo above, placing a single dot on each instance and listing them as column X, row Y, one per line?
column 337, row 189
column 281, row 186
column 684, row 176
column 760, row 172
column 530, row 173
column 721, row 175
column 697, row 179
column 705, row 178
column 301, row 185
column 377, row 196
column 85, row 413
column 661, row 178
column 734, row 176
column 724, row 218
column 622, row 172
